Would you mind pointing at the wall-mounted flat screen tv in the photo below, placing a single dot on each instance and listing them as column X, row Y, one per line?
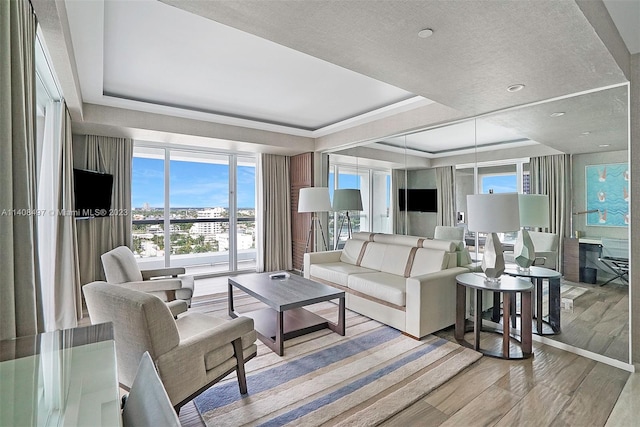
column 418, row 200
column 92, row 196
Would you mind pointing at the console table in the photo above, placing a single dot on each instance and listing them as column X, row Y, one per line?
column 537, row 276
column 508, row 287
column 66, row 377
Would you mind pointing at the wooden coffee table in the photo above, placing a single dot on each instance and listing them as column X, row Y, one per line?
column 285, row 318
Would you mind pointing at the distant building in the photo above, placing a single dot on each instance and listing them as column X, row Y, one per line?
column 209, row 228
column 244, row 241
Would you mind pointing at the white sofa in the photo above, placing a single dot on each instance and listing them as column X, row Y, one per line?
column 406, row 282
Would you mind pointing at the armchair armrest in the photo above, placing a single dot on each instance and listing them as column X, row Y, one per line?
column 154, row 285
column 159, row 272
column 209, row 340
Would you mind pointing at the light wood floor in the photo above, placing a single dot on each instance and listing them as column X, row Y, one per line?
column 599, row 320
column 552, row 388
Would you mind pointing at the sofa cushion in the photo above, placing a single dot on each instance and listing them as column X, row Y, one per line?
column 363, row 235
column 336, row 272
column 443, row 245
column 429, row 261
column 351, row 251
column 397, row 239
column 387, row 258
column 385, row 286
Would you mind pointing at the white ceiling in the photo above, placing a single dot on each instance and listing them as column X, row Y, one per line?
column 313, row 68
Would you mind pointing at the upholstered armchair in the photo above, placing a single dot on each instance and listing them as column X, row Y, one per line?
column 545, row 245
column 191, row 352
column 121, row 268
column 456, row 235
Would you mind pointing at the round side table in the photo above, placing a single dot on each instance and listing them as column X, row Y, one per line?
column 508, row 286
column 537, row 276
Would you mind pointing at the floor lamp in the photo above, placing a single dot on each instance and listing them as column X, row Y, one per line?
column 314, row 200
column 492, row 213
column 346, row 200
column 534, row 212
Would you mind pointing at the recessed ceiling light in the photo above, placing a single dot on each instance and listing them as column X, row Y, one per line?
column 515, row 88
column 557, row 114
column 604, row 145
column 427, row 32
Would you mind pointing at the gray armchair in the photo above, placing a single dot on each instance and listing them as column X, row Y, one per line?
column 121, row 268
column 191, row 353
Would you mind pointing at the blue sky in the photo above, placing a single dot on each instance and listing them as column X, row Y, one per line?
column 500, row 184
column 193, row 185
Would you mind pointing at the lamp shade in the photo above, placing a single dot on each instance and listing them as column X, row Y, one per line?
column 534, row 210
column 347, row 200
column 493, row 212
column 314, row 199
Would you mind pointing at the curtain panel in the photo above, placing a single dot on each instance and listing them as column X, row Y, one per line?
column 550, row 175
column 274, row 222
column 99, row 235
column 58, row 248
column 20, row 298
column 446, row 185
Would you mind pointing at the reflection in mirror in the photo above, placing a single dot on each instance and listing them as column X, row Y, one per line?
column 508, row 151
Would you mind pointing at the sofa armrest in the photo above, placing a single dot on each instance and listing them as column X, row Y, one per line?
column 154, row 285
column 431, row 301
column 160, row 272
column 320, row 258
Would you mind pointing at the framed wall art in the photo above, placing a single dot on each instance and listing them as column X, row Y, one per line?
column 607, row 194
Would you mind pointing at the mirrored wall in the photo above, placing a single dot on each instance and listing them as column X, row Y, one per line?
column 493, row 152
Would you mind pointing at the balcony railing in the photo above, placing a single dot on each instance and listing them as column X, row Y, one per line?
column 199, row 253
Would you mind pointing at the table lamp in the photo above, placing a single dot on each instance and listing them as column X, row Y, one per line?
column 534, row 212
column 346, row 199
column 314, row 200
column 492, row 213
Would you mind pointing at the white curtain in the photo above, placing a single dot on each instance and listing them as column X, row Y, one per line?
column 57, row 249
column 20, row 298
column 550, row 175
column 446, row 185
column 99, row 235
column 274, row 219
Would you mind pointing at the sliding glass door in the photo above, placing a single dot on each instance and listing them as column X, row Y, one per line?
column 187, row 211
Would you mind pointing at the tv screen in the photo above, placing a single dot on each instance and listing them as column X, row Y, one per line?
column 92, row 193
column 418, row 200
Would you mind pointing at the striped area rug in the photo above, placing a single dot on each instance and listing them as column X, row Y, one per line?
column 360, row 379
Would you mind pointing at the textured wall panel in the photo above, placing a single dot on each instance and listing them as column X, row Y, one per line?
column 301, row 177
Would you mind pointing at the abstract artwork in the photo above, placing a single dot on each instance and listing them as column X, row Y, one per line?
column 608, row 195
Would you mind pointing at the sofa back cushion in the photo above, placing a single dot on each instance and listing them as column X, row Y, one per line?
column 441, row 245
column 390, row 259
column 351, row 251
column 429, row 261
column 398, row 239
column 363, row 235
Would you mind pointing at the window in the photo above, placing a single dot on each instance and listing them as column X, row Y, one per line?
column 375, row 190
column 204, row 224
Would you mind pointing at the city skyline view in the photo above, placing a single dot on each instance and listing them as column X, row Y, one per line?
column 191, row 185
